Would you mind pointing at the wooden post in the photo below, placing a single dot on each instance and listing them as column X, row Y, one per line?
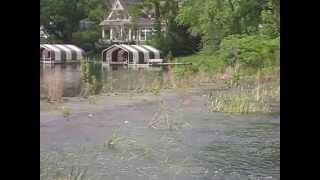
column 145, row 34
column 139, row 32
column 111, row 34
column 130, row 34
column 258, row 85
column 121, row 31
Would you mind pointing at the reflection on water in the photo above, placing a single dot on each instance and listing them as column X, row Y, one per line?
column 59, row 79
column 68, row 80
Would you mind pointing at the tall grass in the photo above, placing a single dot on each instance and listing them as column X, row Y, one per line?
column 243, row 100
column 54, row 84
column 52, row 167
column 166, row 118
column 126, row 148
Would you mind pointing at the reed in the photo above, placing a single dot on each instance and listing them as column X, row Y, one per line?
column 66, row 112
column 54, row 83
column 126, row 148
column 92, row 99
column 240, row 102
column 166, row 118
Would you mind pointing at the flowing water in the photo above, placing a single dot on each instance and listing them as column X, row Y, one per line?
column 120, row 141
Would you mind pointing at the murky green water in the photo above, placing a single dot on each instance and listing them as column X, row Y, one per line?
column 201, row 145
column 119, row 79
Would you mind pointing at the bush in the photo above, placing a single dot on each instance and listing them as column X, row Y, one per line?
column 201, row 62
column 250, row 51
column 91, row 78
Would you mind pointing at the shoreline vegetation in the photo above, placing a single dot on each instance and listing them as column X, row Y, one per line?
column 234, row 43
column 250, row 78
column 231, row 90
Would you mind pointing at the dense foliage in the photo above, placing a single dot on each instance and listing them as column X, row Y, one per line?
column 61, row 19
column 227, row 32
column 217, row 19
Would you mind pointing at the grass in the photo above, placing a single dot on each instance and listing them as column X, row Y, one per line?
column 238, row 104
column 155, row 88
column 243, row 100
column 181, row 88
column 66, row 112
column 113, row 141
column 54, row 83
column 166, row 118
column 52, row 167
column 92, row 99
column 125, row 148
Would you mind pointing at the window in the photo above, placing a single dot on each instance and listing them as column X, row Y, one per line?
column 107, row 33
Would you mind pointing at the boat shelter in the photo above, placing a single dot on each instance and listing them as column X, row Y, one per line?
column 131, row 54
column 60, row 53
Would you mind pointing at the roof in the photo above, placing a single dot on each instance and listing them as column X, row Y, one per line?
column 62, row 52
column 137, row 54
column 125, row 3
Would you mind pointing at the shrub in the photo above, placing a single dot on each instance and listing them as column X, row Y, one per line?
column 250, row 51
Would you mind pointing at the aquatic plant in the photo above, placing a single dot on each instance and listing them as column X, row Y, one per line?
column 126, row 148
column 155, row 88
column 181, row 87
column 92, row 99
column 114, row 140
column 52, row 167
column 54, row 85
column 89, row 82
column 166, row 118
column 66, row 112
column 241, row 102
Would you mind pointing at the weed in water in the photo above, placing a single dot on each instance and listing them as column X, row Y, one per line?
column 114, row 140
column 52, row 166
column 126, row 148
column 155, row 88
column 242, row 102
column 66, row 112
column 54, row 85
column 181, row 88
column 92, row 99
column 166, row 118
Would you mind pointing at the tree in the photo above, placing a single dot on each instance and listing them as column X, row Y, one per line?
column 175, row 39
column 61, row 19
column 215, row 19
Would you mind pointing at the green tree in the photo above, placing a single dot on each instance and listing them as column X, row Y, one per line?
column 176, row 38
column 61, row 19
column 215, row 19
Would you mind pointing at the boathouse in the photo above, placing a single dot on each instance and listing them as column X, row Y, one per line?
column 60, row 53
column 131, row 55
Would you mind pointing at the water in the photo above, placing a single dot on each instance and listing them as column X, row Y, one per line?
column 69, row 78
column 205, row 146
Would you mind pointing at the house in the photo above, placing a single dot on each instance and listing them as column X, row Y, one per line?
column 119, row 26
